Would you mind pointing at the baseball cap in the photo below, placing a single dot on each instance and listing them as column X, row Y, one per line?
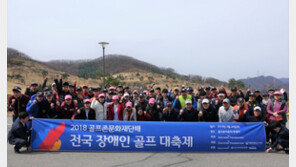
column 129, row 104
column 188, row 101
column 265, row 94
column 115, row 97
column 277, row 93
column 252, row 94
column 79, row 88
column 48, row 93
column 257, row 91
column 183, row 90
column 141, row 95
column 90, row 89
column 205, row 101
column 233, row 89
column 39, row 94
column 151, row 101
column 53, row 84
column 101, row 95
column 135, row 92
column 66, row 84
column 71, row 85
column 46, row 89
column 112, row 88
column 120, row 86
column 151, row 90
column 125, row 95
column 68, row 97
column 257, row 108
column 221, row 94
column 95, row 89
column 240, row 99
column 189, row 89
column 208, row 88
column 270, row 90
column 105, row 90
column 226, row 101
column 17, row 89
column 86, row 101
column 213, row 88
column 34, row 84
column 85, row 86
column 169, row 104
column 158, row 88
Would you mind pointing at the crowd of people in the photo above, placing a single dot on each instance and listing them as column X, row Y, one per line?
column 64, row 100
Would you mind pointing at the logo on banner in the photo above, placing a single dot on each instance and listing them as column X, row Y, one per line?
column 51, row 142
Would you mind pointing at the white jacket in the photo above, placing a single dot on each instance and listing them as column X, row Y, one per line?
column 133, row 116
column 101, row 109
column 226, row 115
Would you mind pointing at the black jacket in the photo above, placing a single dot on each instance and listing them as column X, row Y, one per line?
column 280, row 138
column 233, row 99
column 170, row 115
column 156, row 114
column 30, row 93
column 251, row 106
column 189, row 115
column 82, row 115
column 258, row 99
column 142, row 105
column 18, row 130
column 210, row 114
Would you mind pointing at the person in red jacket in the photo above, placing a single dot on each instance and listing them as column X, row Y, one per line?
column 242, row 110
column 115, row 109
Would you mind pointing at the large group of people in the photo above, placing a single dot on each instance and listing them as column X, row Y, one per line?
column 64, row 100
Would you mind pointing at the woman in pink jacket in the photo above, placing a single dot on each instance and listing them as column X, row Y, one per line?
column 277, row 108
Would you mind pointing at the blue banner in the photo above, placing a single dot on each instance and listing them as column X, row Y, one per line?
column 85, row 135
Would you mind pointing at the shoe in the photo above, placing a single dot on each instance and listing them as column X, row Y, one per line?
column 16, row 150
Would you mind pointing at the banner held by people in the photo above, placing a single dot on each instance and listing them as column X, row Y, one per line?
column 81, row 135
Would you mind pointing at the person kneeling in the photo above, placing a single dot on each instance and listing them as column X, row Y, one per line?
column 280, row 138
column 18, row 134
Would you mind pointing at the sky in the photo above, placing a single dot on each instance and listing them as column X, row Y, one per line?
column 212, row 38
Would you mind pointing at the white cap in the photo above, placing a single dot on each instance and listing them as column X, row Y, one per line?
column 257, row 108
column 226, row 101
column 221, row 94
column 126, row 95
column 188, row 101
column 205, row 101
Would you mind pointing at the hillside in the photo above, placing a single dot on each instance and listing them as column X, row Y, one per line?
column 266, row 82
column 22, row 70
column 113, row 63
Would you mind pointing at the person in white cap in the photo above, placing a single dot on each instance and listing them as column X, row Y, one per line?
column 188, row 113
column 100, row 106
column 126, row 98
column 208, row 113
column 258, row 116
column 226, row 112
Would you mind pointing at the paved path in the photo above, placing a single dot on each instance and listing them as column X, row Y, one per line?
column 90, row 159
